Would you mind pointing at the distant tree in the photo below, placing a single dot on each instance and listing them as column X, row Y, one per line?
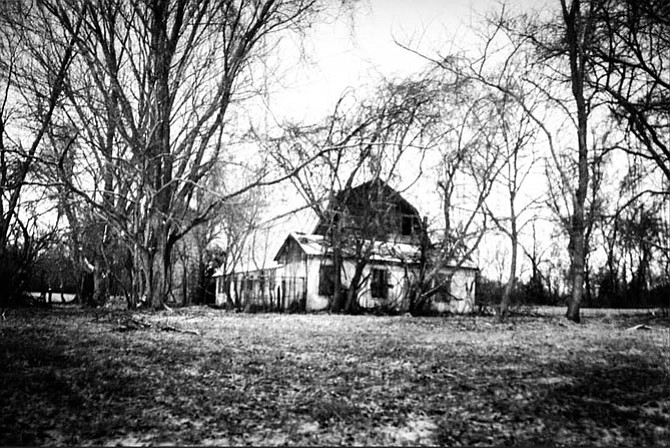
column 232, row 230
column 539, row 284
column 466, row 173
column 335, row 148
column 640, row 234
column 629, row 51
column 556, row 53
column 514, row 137
column 29, row 97
column 638, row 205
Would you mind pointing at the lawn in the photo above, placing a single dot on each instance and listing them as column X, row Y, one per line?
column 201, row 376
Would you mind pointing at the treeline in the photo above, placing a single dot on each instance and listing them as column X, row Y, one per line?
column 601, row 294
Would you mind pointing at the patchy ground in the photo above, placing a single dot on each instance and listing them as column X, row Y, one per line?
column 206, row 377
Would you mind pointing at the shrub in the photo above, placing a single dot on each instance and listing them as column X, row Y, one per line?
column 15, row 270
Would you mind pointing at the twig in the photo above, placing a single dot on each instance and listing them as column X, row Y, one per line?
column 140, row 322
column 178, row 330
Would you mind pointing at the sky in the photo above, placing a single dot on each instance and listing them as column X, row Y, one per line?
column 356, row 51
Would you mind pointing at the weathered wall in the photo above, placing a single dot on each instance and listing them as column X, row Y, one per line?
column 298, row 278
column 315, row 302
column 397, row 291
column 462, row 289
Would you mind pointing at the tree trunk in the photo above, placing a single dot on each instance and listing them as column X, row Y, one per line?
column 159, row 159
column 351, row 306
column 577, row 232
column 86, row 288
column 511, row 281
column 577, row 34
column 588, row 290
column 100, row 284
column 337, row 303
column 131, row 295
column 160, row 271
column 336, row 242
column 416, row 301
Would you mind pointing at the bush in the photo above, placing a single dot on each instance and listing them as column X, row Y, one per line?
column 659, row 296
column 15, row 270
column 489, row 293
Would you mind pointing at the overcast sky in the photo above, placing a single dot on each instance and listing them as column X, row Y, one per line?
column 356, row 50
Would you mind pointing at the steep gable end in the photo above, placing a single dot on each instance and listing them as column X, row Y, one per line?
column 374, row 209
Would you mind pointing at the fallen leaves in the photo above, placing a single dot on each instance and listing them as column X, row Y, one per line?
column 270, row 379
column 133, row 322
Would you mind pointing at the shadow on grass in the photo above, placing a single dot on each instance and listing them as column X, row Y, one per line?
column 70, row 378
column 45, row 387
column 60, row 386
column 612, row 404
column 623, row 403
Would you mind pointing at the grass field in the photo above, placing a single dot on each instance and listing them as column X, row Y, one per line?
column 200, row 376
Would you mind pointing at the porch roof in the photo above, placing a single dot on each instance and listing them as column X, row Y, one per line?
column 381, row 251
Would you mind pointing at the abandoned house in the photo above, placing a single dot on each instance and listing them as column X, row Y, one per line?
column 380, row 243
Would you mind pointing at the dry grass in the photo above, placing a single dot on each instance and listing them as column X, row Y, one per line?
column 72, row 376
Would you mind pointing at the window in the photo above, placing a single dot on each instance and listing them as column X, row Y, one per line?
column 326, row 280
column 443, row 284
column 407, row 222
column 379, row 285
column 224, row 284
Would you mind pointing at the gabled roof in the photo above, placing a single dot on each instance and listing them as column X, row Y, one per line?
column 246, row 268
column 382, row 251
column 309, row 244
column 357, row 200
column 360, row 195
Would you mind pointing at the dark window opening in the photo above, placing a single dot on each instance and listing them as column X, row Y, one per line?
column 224, row 284
column 407, row 224
column 379, row 285
column 326, row 280
column 443, row 284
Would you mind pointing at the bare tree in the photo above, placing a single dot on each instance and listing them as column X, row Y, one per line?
column 634, row 233
column 29, row 97
column 151, row 92
column 515, row 137
column 467, row 170
column 234, row 228
column 334, row 146
column 559, row 56
column 366, row 143
column 578, row 31
column 629, row 56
